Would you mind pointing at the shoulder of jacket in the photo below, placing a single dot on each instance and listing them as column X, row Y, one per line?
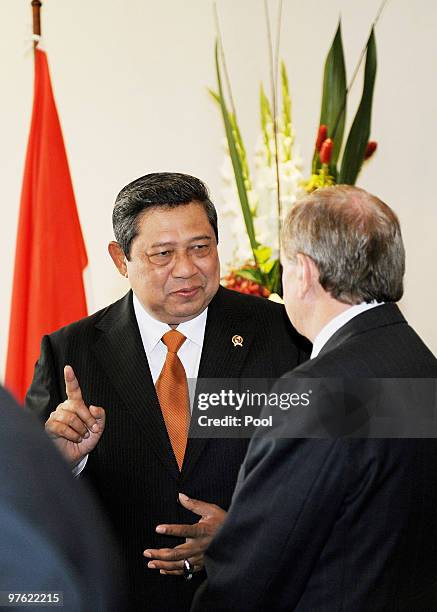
column 84, row 324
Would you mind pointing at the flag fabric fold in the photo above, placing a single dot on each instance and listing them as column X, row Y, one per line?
column 48, row 289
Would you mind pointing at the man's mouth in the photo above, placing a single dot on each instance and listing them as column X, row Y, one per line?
column 187, row 292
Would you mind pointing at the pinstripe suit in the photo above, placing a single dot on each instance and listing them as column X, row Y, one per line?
column 133, row 468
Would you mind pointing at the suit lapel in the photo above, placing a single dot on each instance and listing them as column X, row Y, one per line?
column 220, row 357
column 121, row 353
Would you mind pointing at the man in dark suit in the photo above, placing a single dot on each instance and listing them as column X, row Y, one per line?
column 106, row 417
column 52, row 534
column 322, row 525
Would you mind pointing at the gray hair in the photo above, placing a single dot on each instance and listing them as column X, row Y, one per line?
column 353, row 238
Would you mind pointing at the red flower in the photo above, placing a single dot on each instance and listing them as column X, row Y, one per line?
column 321, row 136
column 326, row 151
column 372, row 145
column 243, row 285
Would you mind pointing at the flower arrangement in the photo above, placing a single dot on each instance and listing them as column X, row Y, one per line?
column 256, row 267
column 257, row 202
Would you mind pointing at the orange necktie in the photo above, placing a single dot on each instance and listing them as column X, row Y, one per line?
column 172, row 390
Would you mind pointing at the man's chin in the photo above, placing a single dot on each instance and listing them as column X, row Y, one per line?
column 187, row 309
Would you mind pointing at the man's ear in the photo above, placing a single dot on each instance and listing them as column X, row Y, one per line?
column 308, row 274
column 118, row 257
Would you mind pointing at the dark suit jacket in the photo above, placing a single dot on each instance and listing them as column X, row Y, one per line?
column 133, row 467
column 52, row 536
column 335, row 524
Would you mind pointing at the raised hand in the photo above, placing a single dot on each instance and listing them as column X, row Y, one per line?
column 73, row 426
column 170, row 561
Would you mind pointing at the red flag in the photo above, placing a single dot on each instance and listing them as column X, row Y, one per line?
column 50, row 257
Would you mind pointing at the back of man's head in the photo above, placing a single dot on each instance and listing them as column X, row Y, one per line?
column 355, row 241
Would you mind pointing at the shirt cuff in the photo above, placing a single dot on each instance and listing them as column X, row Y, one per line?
column 76, row 471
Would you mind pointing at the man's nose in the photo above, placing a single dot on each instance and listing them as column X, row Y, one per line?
column 183, row 266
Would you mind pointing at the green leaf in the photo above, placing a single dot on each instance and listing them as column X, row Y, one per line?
column 287, row 148
column 333, row 111
column 270, row 280
column 252, row 275
column 266, row 119
column 356, row 144
column 214, row 95
column 274, row 283
column 266, row 111
column 263, row 254
column 241, row 150
column 266, row 267
column 237, row 136
column 286, row 101
column 237, row 161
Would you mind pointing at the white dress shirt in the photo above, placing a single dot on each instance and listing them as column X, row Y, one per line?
column 151, row 331
column 337, row 322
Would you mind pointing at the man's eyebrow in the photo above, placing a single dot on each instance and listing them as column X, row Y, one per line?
column 161, row 244
column 169, row 243
column 204, row 237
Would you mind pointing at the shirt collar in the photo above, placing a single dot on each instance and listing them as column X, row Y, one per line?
column 152, row 330
column 194, row 329
column 337, row 322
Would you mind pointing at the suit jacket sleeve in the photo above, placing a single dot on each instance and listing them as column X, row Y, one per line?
column 274, row 531
column 53, row 535
column 45, row 392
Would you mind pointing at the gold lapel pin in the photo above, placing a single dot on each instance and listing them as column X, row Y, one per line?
column 237, row 340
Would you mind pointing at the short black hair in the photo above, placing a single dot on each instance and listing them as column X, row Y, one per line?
column 159, row 189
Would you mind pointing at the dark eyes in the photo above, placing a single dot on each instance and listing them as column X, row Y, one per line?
column 165, row 257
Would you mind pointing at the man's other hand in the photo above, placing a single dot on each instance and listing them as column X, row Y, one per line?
column 170, row 561
column 73, row 426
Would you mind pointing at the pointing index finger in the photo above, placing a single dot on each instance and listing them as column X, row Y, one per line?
column 72, row 387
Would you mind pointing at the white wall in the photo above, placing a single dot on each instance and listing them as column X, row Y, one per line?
column 130, row 80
